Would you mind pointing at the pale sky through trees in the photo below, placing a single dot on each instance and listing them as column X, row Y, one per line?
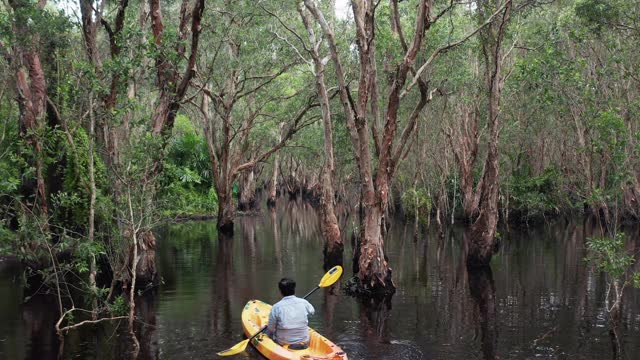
column 343, row 10
column 70, row 7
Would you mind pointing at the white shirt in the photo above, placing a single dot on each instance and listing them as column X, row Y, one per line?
column 288, row 322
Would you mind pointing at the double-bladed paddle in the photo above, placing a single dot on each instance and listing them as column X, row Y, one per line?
column 327, row 280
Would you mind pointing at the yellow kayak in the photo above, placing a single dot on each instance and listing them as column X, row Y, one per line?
column 256, row 315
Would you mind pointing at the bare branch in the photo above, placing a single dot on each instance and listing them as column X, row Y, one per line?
column 269, row 78
column 295, row 127
column 60, row 330
column 289, row 29
column 450, row 46
column 195, row 36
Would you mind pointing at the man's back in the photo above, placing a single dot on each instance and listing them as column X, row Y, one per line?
column 288, row 322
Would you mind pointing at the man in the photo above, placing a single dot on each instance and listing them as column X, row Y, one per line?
column 288, row 324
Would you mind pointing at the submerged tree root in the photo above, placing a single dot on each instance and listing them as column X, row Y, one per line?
column 357, row 289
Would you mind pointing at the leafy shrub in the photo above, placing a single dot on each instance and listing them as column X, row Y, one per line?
column 183, row 200
column 533, row 196
column 417, row 200
column 609, row 256
column 187, row 185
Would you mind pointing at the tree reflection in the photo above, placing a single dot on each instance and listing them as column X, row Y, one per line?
column 374, row 313
column 276, row 237
column 483, row 293
column 145, row 325
column 221, row 295
column 331, row 297
column 39, row 315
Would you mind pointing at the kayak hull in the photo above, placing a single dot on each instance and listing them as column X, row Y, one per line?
column 255, row 316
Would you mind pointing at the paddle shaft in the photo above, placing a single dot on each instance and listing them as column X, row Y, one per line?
column 265, row 327
column 259, row 332
column 311, row 292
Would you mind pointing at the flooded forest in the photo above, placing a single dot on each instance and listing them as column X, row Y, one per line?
column 472, row 165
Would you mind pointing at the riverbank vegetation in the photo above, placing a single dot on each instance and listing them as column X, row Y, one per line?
column 118, row 115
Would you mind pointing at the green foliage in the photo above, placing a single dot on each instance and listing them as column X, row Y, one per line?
column 610, row 134
column 609, row 139
column 30, row 242
column 181, row 200
column 533, row 196
column 417, row 201
column 119, row 307
column 188, row 155
column 599, row 13
column 7, row 239
column 10, row 161
column 71, row 205
column 50, row 26
column 636, row 280
column 187, row 185
column 609, row 256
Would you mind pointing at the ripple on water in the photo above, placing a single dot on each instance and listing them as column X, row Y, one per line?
column 394, row 349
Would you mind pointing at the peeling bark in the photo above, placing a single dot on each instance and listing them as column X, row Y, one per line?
column 483, row 230
column 31, row 96
column 248, row 201
column 273, row 185
column 146, row 271
column 374, row 272
column 226, row 213
column 464, row 139
column 333, row 246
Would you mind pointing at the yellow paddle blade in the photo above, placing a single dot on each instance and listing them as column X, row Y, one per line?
column 236, row 349
column 331, row 276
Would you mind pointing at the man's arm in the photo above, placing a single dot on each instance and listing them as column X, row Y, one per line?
column 273, row 322
column 310, row 309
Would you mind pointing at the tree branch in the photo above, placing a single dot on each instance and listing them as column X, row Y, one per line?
column 195, row 37
column 292, row 130
column 448, row 47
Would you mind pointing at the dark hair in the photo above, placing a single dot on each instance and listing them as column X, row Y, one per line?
column 287, row 286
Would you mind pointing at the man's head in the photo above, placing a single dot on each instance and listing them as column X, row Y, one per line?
column 287, row 286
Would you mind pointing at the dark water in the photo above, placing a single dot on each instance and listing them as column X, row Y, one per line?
column 539, row 301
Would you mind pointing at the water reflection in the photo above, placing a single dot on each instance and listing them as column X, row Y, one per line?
column 145, row 326
column 374, row 315
column 539, row 299
column 223, row 287
column 331, row 299
column 483, row 293
column 39, row 315
column 276, row 237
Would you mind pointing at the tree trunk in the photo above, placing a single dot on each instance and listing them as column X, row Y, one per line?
column 247, row 201
column 374, row 273
column 225, row 213
column 32, row 102
column 483, row 231
column 615, row 321
column 273, row 186
column 465, row 149
column 146, row 266
column 333, row 246
column 92, row 208
column 173, row 87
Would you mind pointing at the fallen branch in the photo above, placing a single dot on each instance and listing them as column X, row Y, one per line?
column 60, row 330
